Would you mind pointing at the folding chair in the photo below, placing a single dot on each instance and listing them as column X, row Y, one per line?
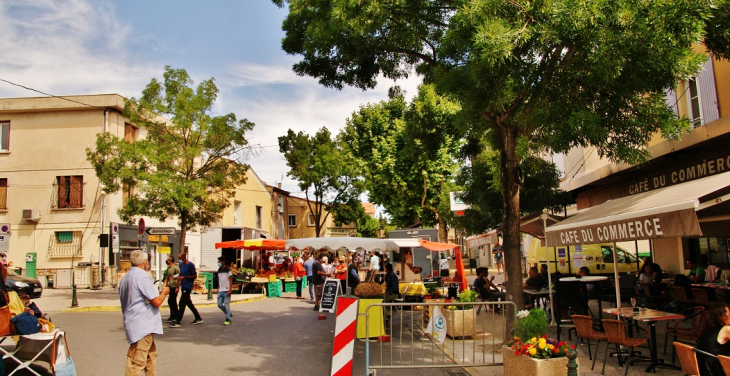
column 38, row 354
column 401, row 300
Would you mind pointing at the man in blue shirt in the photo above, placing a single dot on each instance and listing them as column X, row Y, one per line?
column 186, row 278
column 308, row 269
column 140, row 308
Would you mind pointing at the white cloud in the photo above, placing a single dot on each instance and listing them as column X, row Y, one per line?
column 64, row 48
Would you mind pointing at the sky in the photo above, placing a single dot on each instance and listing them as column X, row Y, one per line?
column 75, row 47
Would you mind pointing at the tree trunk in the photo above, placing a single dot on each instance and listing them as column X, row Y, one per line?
column 509, row 163
column 443, row 231
column 183, row 229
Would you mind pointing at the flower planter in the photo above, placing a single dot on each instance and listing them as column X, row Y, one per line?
column 520, row 365
column 459, row 323
column 373, row 327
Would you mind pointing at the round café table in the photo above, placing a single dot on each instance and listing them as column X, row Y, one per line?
column 588, row 279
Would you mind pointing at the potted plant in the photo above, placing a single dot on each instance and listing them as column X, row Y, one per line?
column 369, row 293
column 460, row 318
column 530, row 351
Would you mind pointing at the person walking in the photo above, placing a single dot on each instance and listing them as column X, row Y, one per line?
column 140, row 309
column 225, row 280
column 318, row 276
column 498, row 253
column 392, row 287
column 186, row 279
column 299, row 274
column 170, row 280
column 308, row 270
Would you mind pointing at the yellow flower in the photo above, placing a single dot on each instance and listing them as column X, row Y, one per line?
column 533, row 351
column 541, row 344
column 533, row 339
column 550, row 347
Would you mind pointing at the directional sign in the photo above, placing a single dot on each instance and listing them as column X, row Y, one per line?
column 161, row 231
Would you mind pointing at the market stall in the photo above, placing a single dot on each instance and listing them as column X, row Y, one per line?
column 459, row 277
column 274, row 285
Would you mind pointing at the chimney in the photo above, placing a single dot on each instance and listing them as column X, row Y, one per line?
column 278, row 185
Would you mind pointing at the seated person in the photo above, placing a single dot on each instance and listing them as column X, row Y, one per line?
column 585, row 272
column 544, row 271
column 715, row 340
column 656, row 270
column 534, row 282
column 696, row 272
column 485, row 287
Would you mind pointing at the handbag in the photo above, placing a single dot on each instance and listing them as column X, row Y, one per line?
column 5, row 327
column 25, row 323
column 66, row 369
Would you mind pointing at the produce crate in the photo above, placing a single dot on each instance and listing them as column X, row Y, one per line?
column 290, row 286
column 273, row 289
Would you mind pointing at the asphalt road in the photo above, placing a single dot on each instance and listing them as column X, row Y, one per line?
column 268, row 337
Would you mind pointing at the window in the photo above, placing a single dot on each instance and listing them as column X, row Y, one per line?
column 127, row 192
column 65, row 244
column 237, row 213
column 130, row 133
column 5, row 136
column 694, row 103
column 3, row 194
column 292, row 220
column 259, row 218
column 710, row 251
column 70, row 192
column 311, row 220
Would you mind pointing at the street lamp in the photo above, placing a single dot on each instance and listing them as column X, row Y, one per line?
column 544, row 217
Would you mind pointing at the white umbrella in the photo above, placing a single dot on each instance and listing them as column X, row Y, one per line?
column 350, row 243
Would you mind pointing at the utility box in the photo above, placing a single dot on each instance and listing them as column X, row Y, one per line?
column 30, row 264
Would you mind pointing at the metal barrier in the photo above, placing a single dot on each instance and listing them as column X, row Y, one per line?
column 475, row 337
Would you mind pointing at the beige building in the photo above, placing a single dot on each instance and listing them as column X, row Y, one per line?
column 301, row 222
column 50, row 197
column 705, row 101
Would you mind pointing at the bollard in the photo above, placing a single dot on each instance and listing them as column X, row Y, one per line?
column 209, row 285
column 572, row 365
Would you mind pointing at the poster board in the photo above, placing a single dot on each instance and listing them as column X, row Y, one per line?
column 330, row 290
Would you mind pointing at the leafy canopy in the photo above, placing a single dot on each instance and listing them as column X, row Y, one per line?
column 186, row 163
column 328, row 177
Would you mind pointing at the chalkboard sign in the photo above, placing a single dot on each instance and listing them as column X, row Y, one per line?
column 329, row 295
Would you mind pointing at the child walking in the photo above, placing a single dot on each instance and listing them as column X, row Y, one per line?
column 225, row 280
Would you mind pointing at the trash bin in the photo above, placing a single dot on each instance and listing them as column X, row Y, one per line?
column 30, row 264
column 472, row 263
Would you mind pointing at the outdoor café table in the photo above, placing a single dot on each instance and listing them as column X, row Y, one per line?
column 588, row 279
column 650, row 316
column 542, row 295
column 711, row 285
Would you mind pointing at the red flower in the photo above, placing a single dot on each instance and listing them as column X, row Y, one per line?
column 572, row 347
column 517, row 352
column 544, row 336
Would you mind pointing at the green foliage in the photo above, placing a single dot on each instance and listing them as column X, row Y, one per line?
column 368, row 226
column 186, row 166
column 326, row 173
column 717, row 30
column 531, row 325
column 408, row 148
column 466, row 296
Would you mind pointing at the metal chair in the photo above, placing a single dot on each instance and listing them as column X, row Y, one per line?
column 701, row 297
column 687, row 358
column 687, row 323
column 690, row 334
column 584, row 330
column 616, row 333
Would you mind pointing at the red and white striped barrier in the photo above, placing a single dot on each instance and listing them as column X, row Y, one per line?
column 344, row 345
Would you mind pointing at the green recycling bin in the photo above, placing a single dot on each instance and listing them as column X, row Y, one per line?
column 30, row 264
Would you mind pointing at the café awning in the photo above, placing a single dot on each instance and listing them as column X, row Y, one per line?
column 254, row 244
column 662, row 213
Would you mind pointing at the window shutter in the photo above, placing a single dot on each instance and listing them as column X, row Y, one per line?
column 670, row 97
column 708, row 92
column 76, row 199
column 62, row 182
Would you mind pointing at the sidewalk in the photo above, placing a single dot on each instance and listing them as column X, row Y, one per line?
column 107, row 299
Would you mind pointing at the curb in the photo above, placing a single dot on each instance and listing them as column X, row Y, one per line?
column 119, row 308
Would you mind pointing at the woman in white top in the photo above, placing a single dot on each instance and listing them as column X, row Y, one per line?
column 374, row 262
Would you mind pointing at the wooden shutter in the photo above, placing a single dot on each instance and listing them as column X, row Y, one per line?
column 76, row 192
column 3, row 193
column 708, row 92
column 62, row 186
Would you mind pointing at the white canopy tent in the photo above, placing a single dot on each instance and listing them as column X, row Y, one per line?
column 350, row 243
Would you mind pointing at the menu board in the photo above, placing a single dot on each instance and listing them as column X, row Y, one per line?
column 329, row 295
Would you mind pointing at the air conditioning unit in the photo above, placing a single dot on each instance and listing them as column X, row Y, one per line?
column 31, row 214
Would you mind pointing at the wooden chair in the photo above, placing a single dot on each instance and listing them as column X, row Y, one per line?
column 691, row 321
column 681, row 299
column 690, row 334
column 688, row 359
column 725, row 362
column 701, row 297
column 616, row 333
column 584, row 330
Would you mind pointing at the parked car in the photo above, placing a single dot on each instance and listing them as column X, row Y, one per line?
column 18, row 283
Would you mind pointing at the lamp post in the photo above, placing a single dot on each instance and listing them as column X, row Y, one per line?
column 544, row 217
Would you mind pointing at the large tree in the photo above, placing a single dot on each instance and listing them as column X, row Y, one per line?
column 408, row 149
column 328, row 176
column 550, row 75
column 188, row 164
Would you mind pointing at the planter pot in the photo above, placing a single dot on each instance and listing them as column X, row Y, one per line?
column 460, row 323
column 520, row 365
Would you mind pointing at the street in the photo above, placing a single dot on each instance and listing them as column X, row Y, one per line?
column 267, row 337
